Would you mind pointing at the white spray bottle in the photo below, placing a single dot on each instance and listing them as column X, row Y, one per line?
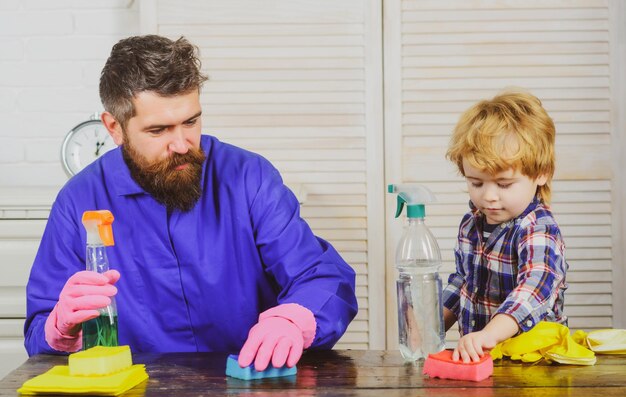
column 420, row 312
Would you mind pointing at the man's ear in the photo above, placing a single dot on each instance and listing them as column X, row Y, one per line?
column 114, row 128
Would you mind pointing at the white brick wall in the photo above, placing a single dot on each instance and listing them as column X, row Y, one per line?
column 36, row 23
column 51, row 55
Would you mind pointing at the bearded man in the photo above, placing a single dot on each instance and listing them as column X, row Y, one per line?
column 210, row 253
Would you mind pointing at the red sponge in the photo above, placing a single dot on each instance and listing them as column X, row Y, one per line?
column 440, row 365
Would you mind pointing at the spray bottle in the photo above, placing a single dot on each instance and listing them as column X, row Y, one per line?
column 420, row 313
column 102, row 330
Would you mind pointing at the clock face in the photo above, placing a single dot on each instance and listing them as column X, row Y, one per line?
column 84, row 144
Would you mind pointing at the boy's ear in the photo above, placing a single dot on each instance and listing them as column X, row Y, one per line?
column 542, row 179
column 114, row 128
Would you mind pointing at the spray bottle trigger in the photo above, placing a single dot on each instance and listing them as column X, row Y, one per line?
column 400, row 205
column 99, row 221
column 106, row 234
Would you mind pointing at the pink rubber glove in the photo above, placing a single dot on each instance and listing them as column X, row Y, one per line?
column 281, row 335
column 82, row 295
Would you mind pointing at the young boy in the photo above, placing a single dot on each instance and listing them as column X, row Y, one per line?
column 510, row 256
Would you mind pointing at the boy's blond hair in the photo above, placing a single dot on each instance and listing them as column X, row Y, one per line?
column 510, row 131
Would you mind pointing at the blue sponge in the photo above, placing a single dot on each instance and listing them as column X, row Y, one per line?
column 248, row 373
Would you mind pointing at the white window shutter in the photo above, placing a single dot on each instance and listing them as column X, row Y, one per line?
column 447, row 56
column 299, row 82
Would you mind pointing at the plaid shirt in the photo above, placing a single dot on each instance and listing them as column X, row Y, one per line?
column 519, row 271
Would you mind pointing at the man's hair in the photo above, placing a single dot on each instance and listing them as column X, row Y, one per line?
column 147, row 63
column 510, row 131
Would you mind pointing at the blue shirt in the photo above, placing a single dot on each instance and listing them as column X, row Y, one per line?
column 197, row 280
column 519, row 270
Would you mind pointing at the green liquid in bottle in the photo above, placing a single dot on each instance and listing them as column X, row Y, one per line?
column 100, row 331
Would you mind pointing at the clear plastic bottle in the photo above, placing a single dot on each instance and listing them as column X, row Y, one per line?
column 420, row 314
column 102, row 330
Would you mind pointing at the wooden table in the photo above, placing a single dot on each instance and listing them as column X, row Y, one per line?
column 353, row 373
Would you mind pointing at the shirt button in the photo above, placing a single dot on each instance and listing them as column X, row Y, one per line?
column 529, row 323
column 473, row 322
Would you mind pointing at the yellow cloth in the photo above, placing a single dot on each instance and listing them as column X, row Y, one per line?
column 58, row 380
column 604, row 341
column 551, row 341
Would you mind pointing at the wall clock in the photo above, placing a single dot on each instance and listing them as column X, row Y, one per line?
column 84, row 143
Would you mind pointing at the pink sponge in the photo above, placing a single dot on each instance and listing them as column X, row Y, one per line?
column 440, row 365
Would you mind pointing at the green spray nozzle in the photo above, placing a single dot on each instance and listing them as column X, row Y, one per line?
column 414, row 196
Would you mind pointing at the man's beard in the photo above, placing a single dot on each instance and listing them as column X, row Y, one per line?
column 175, row 189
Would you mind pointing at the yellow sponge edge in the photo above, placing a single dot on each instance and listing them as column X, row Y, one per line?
column 100, row 360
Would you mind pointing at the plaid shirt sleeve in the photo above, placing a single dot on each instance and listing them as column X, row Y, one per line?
column 452, row 293
column 541, row 271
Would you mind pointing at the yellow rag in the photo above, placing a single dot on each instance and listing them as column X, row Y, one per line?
column 551, row 341
column 106, row 371
column 604, row 341
column 59, row 380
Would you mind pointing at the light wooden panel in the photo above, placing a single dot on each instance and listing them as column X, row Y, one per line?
column 23, row 214
column 454, row 53
column 617, row 17
column 11, row 343
column 293, row 80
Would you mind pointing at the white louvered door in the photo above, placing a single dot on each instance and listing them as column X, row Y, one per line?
column 299, row 82
column 446, row 55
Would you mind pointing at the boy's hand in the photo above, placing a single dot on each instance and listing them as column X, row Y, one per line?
column 472, row 346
